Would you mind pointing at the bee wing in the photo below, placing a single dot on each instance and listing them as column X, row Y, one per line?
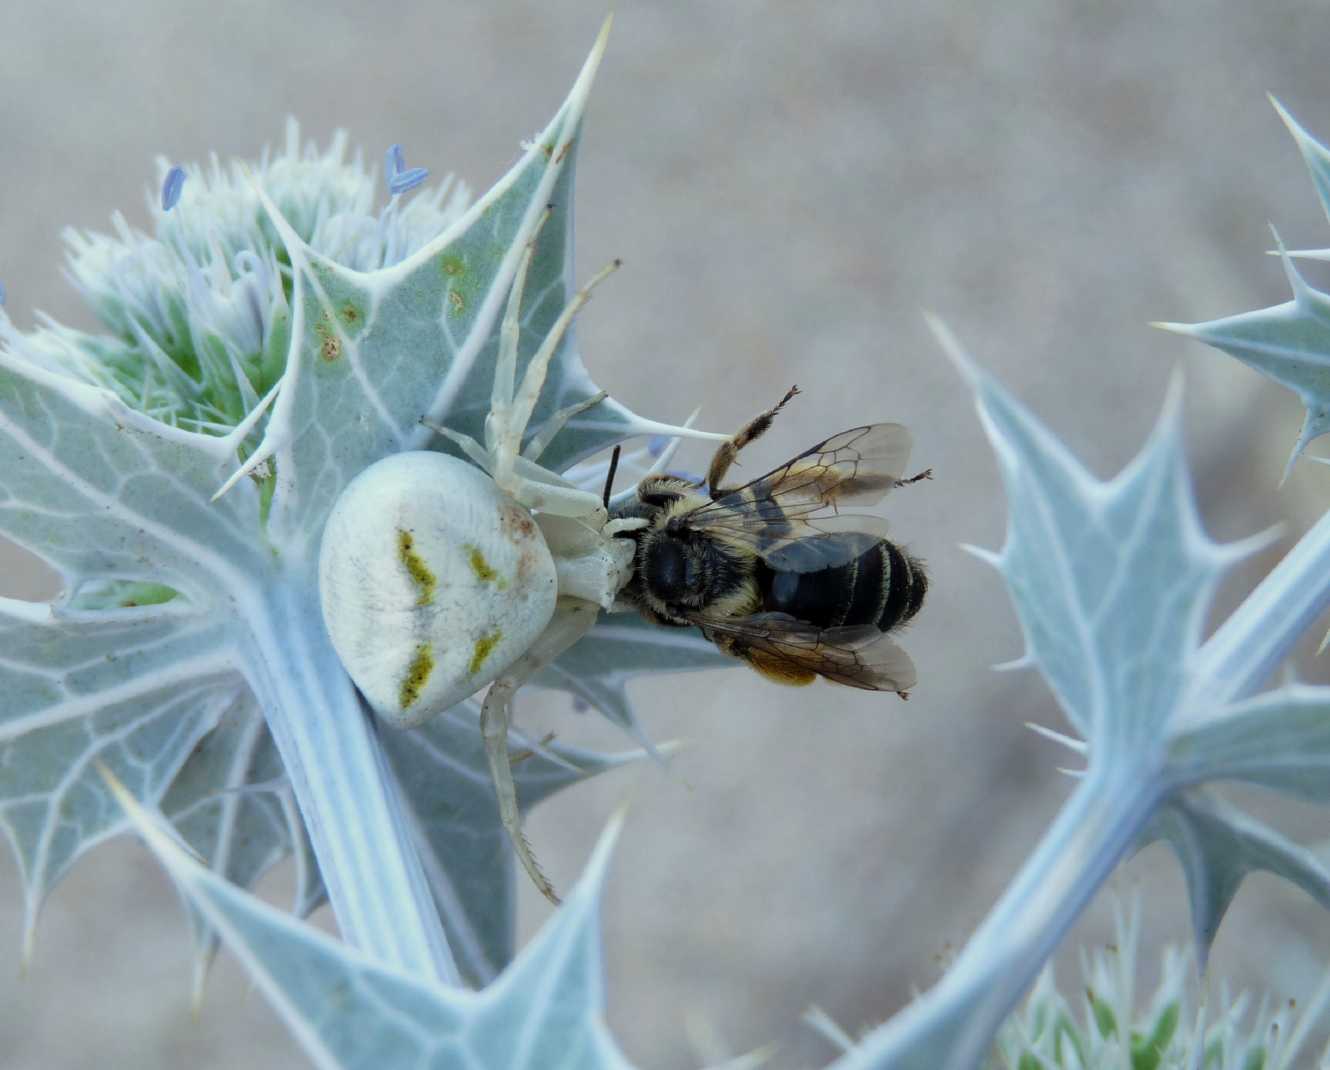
column 861, row 465
column 775, row 514
column 840, row 539
column 780, row 646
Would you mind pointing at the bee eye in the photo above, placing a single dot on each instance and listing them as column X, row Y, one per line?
column 666, row 570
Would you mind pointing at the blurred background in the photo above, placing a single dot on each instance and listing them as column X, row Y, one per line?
column 789, row 185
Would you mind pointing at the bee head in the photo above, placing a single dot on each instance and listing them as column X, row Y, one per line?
column 671, row 569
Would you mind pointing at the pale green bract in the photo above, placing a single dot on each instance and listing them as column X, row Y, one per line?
column 275, row 335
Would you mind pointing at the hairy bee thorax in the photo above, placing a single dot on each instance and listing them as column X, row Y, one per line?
column 676, row 574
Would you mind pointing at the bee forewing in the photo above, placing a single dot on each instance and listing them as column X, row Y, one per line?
column 858, row 465
column 874, row 458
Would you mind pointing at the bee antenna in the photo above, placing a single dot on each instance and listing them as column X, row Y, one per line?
column 609, row 477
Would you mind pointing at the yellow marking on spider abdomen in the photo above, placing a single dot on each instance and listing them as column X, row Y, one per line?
column 417, row 675
column 416, row 568
column 484, row 647
column 484, row 572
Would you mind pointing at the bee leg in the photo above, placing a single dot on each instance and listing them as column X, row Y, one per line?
column 755, row 428
column 572, row 620
column 927, row 473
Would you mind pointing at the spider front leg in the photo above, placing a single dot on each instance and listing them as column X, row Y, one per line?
column 510, row 412
column 572, row 620
column 539, row 442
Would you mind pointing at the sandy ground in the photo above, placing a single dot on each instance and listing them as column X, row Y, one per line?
column 789, row 185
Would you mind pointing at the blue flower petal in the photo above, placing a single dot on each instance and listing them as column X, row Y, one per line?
column 407, row 180
column 175, row 182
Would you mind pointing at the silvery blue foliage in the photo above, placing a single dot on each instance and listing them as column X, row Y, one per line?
column 275, row 335
column 1103, row 1024
column 544, row 1012
column 1111, row 581
column 1290, row 342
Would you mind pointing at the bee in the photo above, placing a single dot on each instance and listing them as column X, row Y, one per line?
column 772, row 572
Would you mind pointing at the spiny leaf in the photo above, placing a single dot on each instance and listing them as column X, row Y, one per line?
column 233, row 806
column 135, row 690
column 443, row 770
column 1280, row 740
column 1289, row 343
column 545, row 1011
column 1314, row 154
column 1110, row 580
column 1218, row 845
column 272, row 326
column 380, row 351
column 619, row 648
column 103, row 493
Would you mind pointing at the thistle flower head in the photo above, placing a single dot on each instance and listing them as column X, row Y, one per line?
column 196, row 311
column 1104, row 1026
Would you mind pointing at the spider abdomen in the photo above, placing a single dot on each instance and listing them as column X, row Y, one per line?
column 433, row 581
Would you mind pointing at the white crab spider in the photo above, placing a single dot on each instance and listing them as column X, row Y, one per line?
column 436, row 577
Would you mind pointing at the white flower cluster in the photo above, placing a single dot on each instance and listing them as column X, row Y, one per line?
column 1175, row 1031
column 197, row 311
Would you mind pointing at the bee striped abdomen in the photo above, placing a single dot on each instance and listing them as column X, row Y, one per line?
column 904, row 589
column 823, row 598
column 881, row 585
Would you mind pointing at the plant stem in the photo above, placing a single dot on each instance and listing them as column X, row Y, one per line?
column 1256, row 639
column 345, row 789
column 953, row 1024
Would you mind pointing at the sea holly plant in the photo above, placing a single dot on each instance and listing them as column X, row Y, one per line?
column 282, row 327
column 1289, row 342
column 545, row 1012
column 274, row 336
column 1111, row 582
